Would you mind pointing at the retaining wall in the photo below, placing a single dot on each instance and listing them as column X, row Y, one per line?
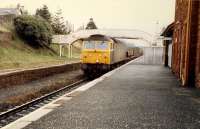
column 24, row 76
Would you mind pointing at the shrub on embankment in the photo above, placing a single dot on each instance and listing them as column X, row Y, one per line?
column 35, row 30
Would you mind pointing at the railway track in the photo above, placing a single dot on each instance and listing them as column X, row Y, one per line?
column 20, row 111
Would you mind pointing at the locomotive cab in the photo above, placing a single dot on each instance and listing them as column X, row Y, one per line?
column 95, row 54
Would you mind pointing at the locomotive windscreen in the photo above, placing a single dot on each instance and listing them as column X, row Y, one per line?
column 89, row 44
column 102, row 45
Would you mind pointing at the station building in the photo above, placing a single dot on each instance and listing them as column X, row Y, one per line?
column 186, row 42
column 8, row 14
column 167, row 55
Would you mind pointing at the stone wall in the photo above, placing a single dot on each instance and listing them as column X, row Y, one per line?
column 24, row 76
column 5, row 36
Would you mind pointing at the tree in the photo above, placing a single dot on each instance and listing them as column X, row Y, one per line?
column 44, row 13
column 69, row 27
column 91, row 25
column 35, row 30
column 58, row 23
column 80, row 28
column 22, row 10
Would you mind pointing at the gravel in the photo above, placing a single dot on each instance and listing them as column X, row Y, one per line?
column 13, row 95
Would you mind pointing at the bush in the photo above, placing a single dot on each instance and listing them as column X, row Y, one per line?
column 34, row 29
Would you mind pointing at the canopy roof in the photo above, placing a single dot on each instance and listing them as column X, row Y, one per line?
column 121, row 35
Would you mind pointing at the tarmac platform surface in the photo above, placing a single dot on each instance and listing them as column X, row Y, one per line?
column 134, row 97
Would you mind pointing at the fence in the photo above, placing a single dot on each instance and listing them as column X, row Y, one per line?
column 151, row 56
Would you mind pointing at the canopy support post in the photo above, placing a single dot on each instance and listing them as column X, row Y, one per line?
column 71, row 52
column 69, row 49
column 60, row 50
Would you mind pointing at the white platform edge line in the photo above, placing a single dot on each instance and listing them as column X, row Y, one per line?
column 23, row 122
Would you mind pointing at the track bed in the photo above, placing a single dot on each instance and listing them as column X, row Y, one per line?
column 19, row 94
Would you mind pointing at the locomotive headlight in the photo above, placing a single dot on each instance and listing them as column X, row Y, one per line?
column 105, row 56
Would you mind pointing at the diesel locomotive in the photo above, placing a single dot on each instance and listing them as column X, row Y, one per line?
column 101, row 53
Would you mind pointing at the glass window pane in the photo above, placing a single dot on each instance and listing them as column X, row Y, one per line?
column 103, row 45
column 89, row 44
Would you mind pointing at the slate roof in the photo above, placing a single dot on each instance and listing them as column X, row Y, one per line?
column 9, row 11
column 168, row 32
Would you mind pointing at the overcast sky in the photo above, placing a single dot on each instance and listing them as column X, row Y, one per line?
column 116, row 14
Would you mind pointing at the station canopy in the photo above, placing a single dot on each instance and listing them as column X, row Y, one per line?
column 130, row 37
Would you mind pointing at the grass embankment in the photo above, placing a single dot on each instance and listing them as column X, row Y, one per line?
column 16, row 54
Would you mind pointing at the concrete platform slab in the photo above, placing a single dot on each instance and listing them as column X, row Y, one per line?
column 134, row 97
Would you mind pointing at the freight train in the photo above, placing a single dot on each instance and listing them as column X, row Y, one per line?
column 102, row 53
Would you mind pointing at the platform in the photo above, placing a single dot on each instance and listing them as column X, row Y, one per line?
column 133, row 97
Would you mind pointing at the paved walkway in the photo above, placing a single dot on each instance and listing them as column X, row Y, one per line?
column 135, row 97
column 37, row 66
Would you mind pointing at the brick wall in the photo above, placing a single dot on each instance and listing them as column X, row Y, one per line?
column 179, row 39
column 186, row 47
column 6, row 19
column 196, row 41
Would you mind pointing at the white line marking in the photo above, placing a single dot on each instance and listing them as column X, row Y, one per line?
column 88, row 85
column 37, row 114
